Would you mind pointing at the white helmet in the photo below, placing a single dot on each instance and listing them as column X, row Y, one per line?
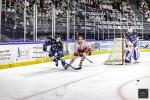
column 80, row 40
column 58, row 39
column 130, row 29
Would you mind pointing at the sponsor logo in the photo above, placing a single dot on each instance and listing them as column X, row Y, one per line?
column 22, row 54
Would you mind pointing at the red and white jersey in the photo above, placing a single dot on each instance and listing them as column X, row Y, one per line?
column 82, row 46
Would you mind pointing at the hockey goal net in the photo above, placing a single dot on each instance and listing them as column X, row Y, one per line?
column 117, row 52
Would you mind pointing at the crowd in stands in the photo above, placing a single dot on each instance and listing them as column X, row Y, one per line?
column 15, row 10
column 45, row 6
column 61, row 6
column 144, row 8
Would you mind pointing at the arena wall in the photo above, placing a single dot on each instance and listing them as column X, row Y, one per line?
column 27, row 53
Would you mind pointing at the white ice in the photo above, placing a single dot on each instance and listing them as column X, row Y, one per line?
column 93, row 82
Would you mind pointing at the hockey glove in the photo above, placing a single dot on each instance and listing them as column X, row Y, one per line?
column 88, row 51
column 76, row 53
column 89, row 54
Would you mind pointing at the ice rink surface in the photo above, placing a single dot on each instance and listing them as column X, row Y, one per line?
column 93, row 82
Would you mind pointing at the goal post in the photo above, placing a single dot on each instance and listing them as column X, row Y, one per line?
column 117, row 52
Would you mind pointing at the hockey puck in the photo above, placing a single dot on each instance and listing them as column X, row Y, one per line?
column 138, row 80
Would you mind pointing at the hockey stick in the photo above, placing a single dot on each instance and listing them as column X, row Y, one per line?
column 79, row 67
column 73, row 67
column 67, row 64
column 146, row 46
column 88, row 60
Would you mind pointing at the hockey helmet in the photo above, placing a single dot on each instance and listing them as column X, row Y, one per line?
column 80, row 39
column 130, row 30
column 50, row 38
column 58, row 39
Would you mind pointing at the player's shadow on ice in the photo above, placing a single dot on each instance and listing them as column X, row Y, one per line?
column 41, row 72
column 48, row 72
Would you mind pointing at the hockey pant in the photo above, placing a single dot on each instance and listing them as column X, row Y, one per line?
column 57, row 56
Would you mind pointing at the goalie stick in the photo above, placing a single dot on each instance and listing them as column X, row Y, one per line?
column 146, row 46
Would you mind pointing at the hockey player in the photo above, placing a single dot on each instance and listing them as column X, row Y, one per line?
column 81, row 49
column 56, row 50
column 132, row 48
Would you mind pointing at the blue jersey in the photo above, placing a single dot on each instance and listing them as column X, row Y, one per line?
column 54, row 46
column 133, row 38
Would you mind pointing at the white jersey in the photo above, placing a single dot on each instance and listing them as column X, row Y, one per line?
column 81, row 47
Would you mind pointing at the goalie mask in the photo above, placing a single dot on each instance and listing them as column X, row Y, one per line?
column 130, row 30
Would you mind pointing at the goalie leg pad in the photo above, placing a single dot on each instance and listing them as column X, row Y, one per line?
column 135, row 54
column 127, row 60
column 128, row 56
